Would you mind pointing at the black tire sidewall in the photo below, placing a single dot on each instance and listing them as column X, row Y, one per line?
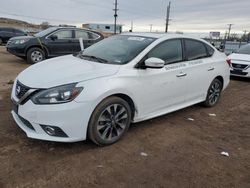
column 207, row 102
column 29, row 59
column 92, row 128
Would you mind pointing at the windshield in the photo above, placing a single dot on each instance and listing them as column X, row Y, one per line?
column 244, row 49
column 119, row 49
column 45, row 32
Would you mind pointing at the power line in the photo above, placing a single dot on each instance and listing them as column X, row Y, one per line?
column 34, row 17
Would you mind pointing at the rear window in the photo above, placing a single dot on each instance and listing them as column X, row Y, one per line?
column 195, row 49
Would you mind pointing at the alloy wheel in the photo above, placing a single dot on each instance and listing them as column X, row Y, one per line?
column 214, row 93
column 112, row 122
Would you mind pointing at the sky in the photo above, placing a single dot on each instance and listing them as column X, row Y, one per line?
column 186, row 15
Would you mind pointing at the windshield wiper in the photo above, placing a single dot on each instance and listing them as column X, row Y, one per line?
column 94, row 58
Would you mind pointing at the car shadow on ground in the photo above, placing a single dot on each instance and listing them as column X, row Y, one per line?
column 240, row 78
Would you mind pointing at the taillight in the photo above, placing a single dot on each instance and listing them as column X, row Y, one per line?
column 229, row 62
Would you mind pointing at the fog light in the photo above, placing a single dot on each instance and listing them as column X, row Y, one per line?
column 50, row 130
column 53, row 131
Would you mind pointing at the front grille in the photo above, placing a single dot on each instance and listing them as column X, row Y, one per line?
column 238, row 72
column 21, row 90
column 26, row 123
column 239, row 66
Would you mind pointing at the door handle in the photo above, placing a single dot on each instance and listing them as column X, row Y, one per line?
column 210, row 69
column 181, row 74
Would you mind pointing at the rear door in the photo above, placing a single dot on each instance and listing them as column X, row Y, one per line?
column 63, row 44
column 200, row 69
column 88, row 37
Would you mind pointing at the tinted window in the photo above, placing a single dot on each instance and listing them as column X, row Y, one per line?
column 93, row 36
column 210, row 50
column 169, row 51
column 19, row 31
column 82, row 34
column 64, row 34
column 244, row 49
column 7, row 29
column 195, row 49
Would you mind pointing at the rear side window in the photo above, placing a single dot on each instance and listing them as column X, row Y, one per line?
column 93, row 36
column 210, row 50
column 82, row 34
column 195, row 49
column 170, row 51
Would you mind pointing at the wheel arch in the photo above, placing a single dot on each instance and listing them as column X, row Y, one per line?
column 123, row 96
column 38, row 46
column 221, row 79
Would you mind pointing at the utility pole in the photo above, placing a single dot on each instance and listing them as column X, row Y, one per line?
column 115, row 16
column 167, row 16
column 151, row 25
column 245, row 32
column 131, row 27
column 229, row 30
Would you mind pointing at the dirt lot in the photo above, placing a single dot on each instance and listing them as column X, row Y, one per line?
column 181, row 153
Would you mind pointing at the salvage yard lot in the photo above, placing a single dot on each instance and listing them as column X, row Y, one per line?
column 179, row 152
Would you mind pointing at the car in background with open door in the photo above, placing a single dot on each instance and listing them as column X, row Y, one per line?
column 52, row 42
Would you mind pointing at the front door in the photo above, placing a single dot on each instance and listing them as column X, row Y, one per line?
column 166, row 88
column 62, row 44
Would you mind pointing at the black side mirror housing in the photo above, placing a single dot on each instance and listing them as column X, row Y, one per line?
column 53, row 37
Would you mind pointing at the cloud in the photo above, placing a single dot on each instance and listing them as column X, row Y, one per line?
column 191, row 15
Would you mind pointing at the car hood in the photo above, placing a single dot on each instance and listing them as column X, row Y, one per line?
column 22, row 37
column 243, row 58
column 64, row 70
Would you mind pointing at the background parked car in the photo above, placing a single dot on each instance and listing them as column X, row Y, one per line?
column 52, row 42
column 240, row 62
column 6, row 33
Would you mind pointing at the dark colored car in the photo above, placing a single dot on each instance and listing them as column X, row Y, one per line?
column 52, row 42
column 6, row 33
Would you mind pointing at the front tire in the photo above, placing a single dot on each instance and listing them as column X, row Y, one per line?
column 213, row 93
column 35, row 55
column 109, row 121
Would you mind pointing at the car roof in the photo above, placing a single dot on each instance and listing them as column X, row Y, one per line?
column 159, row 35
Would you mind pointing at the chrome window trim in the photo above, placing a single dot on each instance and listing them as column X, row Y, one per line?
column 74, row 29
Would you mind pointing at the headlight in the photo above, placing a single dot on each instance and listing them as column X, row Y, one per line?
column 56, row 95
column 21, row 41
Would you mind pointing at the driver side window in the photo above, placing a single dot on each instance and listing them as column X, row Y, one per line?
column 169, row 51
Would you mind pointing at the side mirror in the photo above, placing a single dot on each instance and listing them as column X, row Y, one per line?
column 154, row 63
column 53, row 37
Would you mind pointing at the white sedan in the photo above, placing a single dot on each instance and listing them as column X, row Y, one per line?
column 240, row 62
column 126, row 78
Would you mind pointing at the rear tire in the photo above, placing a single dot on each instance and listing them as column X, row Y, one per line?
column 35, row 55
column 1, row 42
column 109, row 121
column 213, row 93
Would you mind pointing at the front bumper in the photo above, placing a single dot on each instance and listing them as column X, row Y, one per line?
column 240, row 73
column 18, row 50
column 72, row 118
